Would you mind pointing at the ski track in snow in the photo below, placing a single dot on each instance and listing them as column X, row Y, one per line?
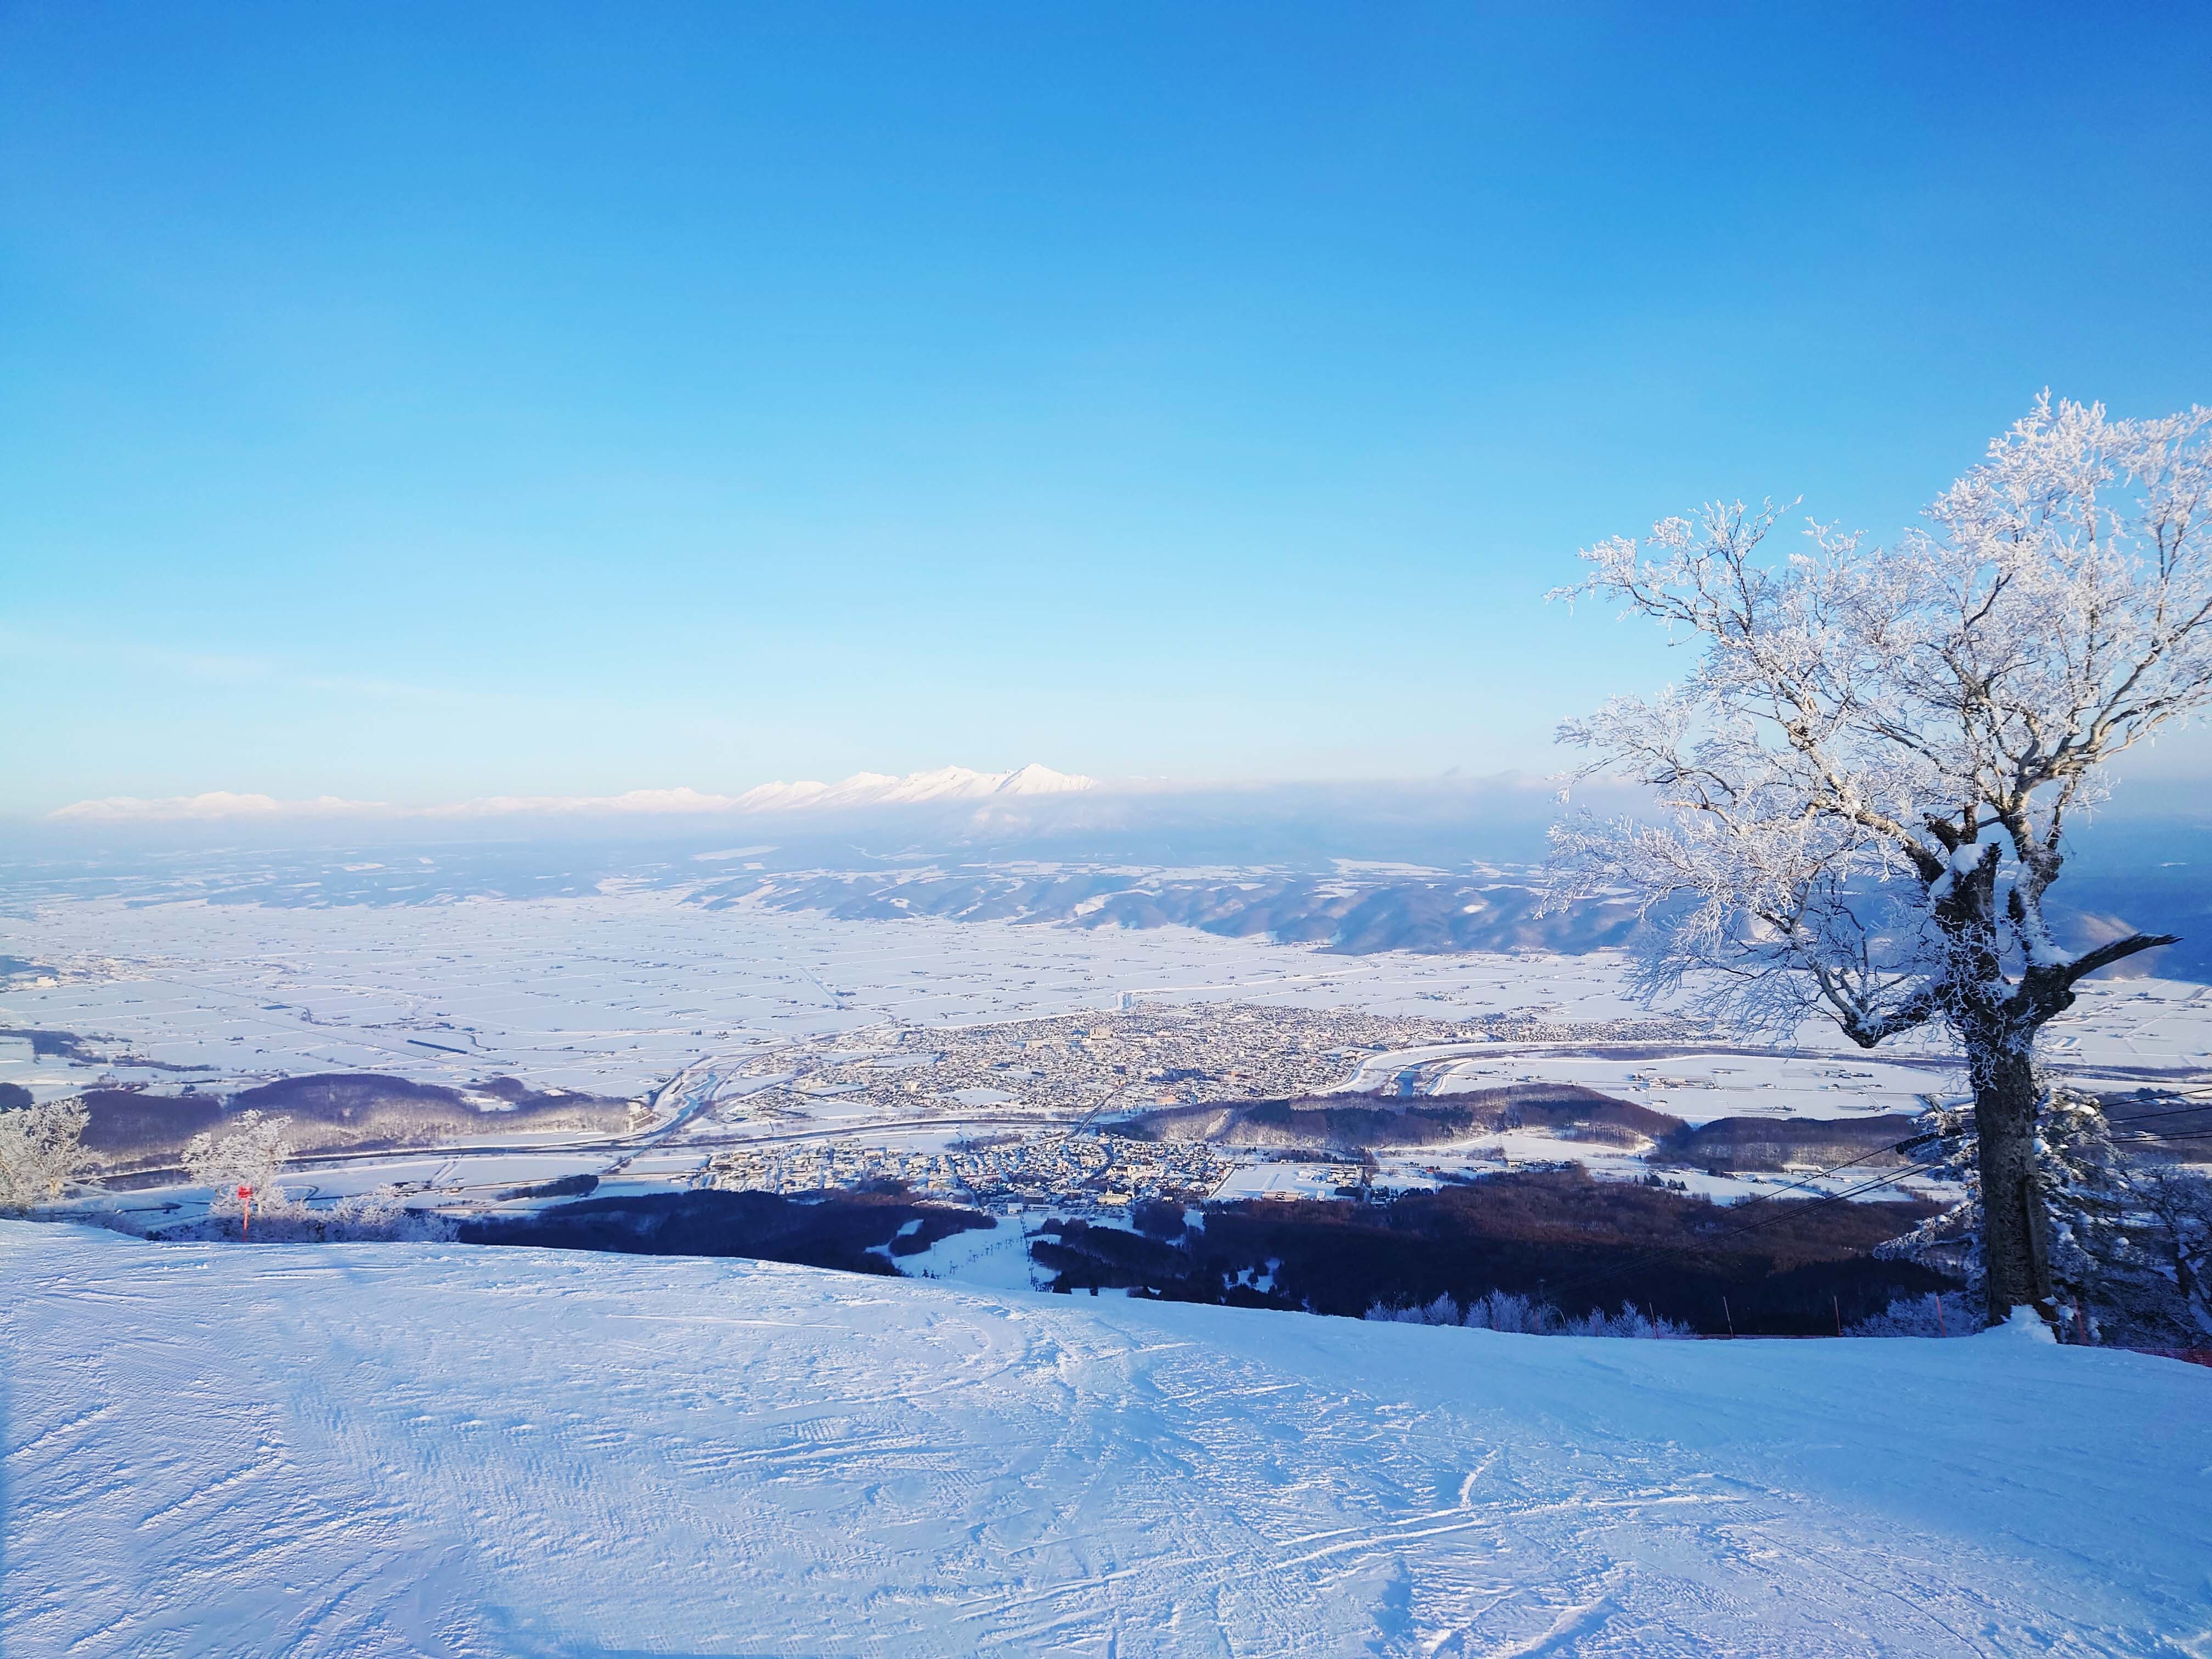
column 398, row 1449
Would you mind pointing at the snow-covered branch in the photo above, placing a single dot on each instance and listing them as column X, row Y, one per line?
column 42, row 1153
column 1864, row 786
column 242, row 1163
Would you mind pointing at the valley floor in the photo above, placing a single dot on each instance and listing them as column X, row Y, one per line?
column 398, row 1449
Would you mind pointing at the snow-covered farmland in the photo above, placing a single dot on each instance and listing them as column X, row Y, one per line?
column 617, row 991
column 614, row 992
column 365, row 1450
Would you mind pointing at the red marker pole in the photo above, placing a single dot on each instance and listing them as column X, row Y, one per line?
column 245, row 1212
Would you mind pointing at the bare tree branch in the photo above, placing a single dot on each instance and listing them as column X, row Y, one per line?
column 2118, row 950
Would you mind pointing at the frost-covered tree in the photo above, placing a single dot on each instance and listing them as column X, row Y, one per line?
column 1919, row 1316
column 1519, row 1315
column 42, row 1153
column 2110, row 1250
column 2179, row 1199
column 1866, row 784
column 249, row 1153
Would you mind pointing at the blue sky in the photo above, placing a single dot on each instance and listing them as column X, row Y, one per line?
column 413, row 403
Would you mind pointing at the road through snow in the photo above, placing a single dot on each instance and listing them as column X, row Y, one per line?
column 396, row 1449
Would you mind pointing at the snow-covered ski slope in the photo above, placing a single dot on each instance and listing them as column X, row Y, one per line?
column 368, row 1450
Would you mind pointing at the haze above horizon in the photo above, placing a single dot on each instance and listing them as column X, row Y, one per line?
column 423, row 407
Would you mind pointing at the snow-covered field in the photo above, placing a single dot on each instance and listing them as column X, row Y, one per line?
column 617, row 991
column 365, row 1450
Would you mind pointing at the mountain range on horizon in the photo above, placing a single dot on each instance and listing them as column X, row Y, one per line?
column 882, row 789
column 862, row 789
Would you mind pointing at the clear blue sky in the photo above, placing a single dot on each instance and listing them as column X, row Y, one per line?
column 416, row 402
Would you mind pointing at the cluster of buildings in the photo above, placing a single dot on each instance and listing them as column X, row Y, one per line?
column 1128, row 1059
column 1024, row 1112
column 1054, row 1167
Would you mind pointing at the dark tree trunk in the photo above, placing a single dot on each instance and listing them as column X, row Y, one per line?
column 2014, row 1247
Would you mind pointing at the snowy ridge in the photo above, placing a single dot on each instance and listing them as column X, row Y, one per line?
column 398, row 1449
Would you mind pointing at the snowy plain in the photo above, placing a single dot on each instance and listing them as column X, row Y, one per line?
column 401, row 1449
column 616, row 991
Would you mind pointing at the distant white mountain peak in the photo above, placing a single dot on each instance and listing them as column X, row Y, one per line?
column 879, row 789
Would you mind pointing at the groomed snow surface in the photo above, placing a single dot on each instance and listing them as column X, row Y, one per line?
column 395, row 1449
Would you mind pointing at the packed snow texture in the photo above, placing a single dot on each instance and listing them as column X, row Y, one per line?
column 362, row 1450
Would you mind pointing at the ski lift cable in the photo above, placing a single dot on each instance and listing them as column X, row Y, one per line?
column 1857, row 1191
column 2190, row 1134
column 1810, row 1205
column 2152, row 1117
column 1910, row 1143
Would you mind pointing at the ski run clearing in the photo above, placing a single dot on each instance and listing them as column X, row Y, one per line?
column 401, row 1449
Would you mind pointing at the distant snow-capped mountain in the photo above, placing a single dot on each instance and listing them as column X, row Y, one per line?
column 880, row 789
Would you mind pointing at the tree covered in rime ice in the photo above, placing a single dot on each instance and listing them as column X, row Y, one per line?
column 1502, row 1311
column 2125, row 1238
column 249, row 1153
column 42, row 1153
column 2179, row 1199
column 1865, row 785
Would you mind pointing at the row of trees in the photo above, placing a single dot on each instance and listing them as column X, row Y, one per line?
column 43, row 1158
